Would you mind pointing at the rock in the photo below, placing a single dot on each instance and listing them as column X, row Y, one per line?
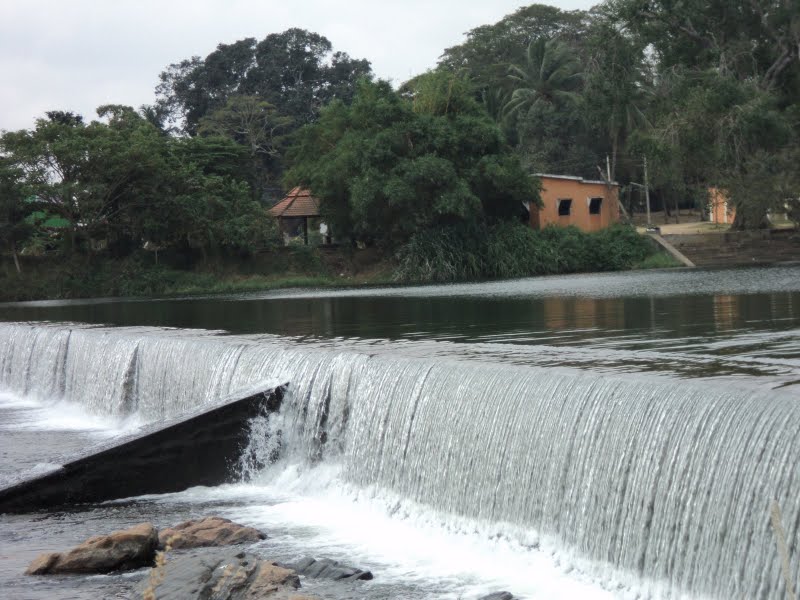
column 220, row 574
column 42, row 564
column 326, row 568
column 210, row 531
column 498, row 596
column 119, row 551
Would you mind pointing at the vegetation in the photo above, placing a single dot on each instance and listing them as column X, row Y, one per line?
column 708, row 91
column 388, row 167
column 434, row 174
column 470, row 251
column 137, row 275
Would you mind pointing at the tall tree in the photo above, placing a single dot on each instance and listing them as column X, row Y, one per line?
column 15, row 229
column 256, row 125
column 489, row 49
column 296, row 71
column 747, row 39
column 617, row 88
column 386, row 167
column 549, row 75
column 544, row 109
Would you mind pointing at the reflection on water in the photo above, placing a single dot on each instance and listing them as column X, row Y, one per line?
column 690, row 322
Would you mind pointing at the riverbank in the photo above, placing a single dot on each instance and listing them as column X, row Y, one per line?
column 53, row 278
column 448, row 256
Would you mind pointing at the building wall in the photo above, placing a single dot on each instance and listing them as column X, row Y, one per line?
column 580, row 193
column 719, row 209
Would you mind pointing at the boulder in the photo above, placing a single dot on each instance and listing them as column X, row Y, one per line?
column 206, row 532
column 326, row 568
column 498, row 596
column 118, row 551
column 220, row 574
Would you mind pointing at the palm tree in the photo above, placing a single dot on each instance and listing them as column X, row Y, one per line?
column 550, row 75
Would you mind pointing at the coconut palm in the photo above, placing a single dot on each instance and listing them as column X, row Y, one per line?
column 550, row 75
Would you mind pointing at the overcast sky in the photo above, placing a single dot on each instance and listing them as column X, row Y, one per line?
column 79, row 54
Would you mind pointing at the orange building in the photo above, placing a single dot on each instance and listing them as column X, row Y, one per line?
column 588, row 205
column 719, row 209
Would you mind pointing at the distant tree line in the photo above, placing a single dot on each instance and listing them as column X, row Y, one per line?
column 708, row 91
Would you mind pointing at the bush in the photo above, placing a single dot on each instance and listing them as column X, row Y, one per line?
column 477, row 251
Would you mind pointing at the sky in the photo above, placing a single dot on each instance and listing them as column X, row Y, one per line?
column 79, row 54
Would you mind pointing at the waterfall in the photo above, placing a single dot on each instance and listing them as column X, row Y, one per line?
column 670, row 479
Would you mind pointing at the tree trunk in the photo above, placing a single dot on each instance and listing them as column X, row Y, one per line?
column 749, row 221
column 677, row 210
column 614, row 148
column 16, row 258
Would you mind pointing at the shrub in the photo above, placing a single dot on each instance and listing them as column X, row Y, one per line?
column 479, row 251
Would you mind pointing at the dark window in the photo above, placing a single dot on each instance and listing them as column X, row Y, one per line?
column 594, row 205
column 564, row 207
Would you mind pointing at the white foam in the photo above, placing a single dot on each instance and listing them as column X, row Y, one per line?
column 31, row 413
column 405, row 543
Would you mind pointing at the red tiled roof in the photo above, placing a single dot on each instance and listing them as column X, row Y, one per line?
column 298, row 203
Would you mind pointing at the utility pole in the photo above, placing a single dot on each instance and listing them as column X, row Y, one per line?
column 608, row 169
column 646, row 191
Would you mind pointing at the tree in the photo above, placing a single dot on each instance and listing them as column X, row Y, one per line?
column 549, row 75
column 121, row 182
column 256, row 125
column 708, row 131
column 51, row 157
column 544, row 109
column 489, row 49
column 617, row 87
column 295, row 71
column 14, row 210
column 387, row 167
column 747, row 39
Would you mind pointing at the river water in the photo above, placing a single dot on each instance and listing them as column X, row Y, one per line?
column 594, row 436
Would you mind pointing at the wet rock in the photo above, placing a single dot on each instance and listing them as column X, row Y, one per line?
column 498, row 596
column 206, row 532
column 220, row 574
column 329, row 569
column 118, row 551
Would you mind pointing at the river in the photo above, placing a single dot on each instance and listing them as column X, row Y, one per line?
column 617, row 435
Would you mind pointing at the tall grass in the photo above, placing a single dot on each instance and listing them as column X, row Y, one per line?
column 473, row 251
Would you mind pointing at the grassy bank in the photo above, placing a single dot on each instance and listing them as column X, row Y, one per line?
column 443, row 255
column 138, row 275
column 464, row 253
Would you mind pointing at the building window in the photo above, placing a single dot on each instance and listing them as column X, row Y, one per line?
column 595, row 204
column 564, row 207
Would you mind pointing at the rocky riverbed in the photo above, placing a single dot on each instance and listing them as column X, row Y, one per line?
column 200, row 559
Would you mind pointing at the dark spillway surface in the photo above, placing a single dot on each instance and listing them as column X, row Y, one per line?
column 199, row 448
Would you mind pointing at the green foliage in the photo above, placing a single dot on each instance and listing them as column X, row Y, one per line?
column 15, row 223
column 659, row 260
column 710, row 133
column 489, row 49
column 472, row 251
column 258, row 129
column 702, row 88
column 295, row 71
column 387, row 167
column 122, row 183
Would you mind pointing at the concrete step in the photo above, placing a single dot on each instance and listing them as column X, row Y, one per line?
column 738, row 248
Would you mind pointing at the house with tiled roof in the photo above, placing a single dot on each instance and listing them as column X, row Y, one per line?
column 296, row 211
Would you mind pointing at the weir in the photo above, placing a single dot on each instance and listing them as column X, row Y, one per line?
column 666, row 478
column 201, row 448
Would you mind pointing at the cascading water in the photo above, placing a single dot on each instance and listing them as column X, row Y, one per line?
column 669, row 479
